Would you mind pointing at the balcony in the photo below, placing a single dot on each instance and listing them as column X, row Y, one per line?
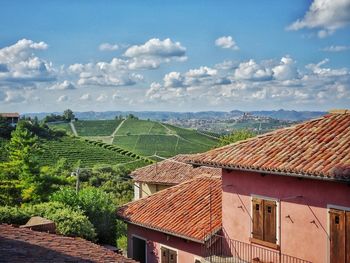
column 223, row 250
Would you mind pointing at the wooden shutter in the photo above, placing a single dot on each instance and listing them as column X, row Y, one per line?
column 347, row 248
column 172, row 256
column 270, row 221
column 165, row 255
column 258, row 222
column 337, row 236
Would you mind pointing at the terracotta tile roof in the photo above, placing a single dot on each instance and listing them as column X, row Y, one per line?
column 182, row 210
column 10, row 115
column 318, row 148
column 171, row 171
column 25, row 245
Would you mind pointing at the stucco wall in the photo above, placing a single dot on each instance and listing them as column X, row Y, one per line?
column 148, row 189
column 304, row 234
column 187, row 251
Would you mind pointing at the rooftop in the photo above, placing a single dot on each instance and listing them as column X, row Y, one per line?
column 190, row 210
column 171, row 171
column 25, row 245
column 10, row 115
column 317, row 149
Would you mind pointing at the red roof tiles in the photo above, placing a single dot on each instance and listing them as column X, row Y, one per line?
column 25, row 245
column 171, row 171
column 191, row 210
column 319, row 148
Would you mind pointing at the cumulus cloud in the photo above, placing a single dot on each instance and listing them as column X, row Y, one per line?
column 62, row 98
column 251, row 70
column 14, row 97
column 108, row 47
column 19, row 65
column 276, row 82
column 102, row 98
column 85, row 96
column 325, row 15
column 155, row 52
column 335, row 48
column 114, row 73
column 226, row 42
column 65, row 85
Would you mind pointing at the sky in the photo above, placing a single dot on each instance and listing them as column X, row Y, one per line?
column 174, row 55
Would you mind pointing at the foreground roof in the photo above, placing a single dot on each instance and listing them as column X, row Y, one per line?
column 25, row 245
column 191, row 210
column 318, row 148
column 171, row 171
column 10, row 115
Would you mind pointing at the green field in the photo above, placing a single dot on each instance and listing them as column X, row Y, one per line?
column 61, row 126
column 90, row 153
column 96, row 128
column 148, row 137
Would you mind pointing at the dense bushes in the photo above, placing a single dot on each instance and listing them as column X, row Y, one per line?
column 96, row 205
column 68, row 221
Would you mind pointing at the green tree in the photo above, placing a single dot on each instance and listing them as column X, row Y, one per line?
column 68, row 115
column 5, row 128
column 96, row 205
column 236, row 136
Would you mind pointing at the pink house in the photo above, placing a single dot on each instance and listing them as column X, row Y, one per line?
column 285, row 195
column 174, row 224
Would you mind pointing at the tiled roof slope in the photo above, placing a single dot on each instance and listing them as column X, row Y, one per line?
column 319, row 148
column 182, row 210
column 171, row 171
column 25, row 245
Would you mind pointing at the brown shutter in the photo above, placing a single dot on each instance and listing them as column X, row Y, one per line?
column 172, row 256
column 337, row 236
column 270, row 221
column 347, row 249
column 165, row 255
column 258, row 223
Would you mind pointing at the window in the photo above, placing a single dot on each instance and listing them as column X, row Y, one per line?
column 139, row 249
column 168, row 255
column 264, row 220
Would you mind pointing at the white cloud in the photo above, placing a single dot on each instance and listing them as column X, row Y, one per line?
column 174, row 79
column 250, row 70
column 325, row 15
column 62, row 98
column 226, row 42
column 155, row 52
column 65, row 85
column 14, row 97
column 115, row 73
column 85, row 96
column 102, row 98
column 285, row 70
column 19, row 66
column 108, row 47
column 335, row 48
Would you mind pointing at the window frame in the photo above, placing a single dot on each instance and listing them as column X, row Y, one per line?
column 170, row 248
column 275, row 245
column 146, row 246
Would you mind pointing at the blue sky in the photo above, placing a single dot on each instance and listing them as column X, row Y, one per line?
column 174, row 55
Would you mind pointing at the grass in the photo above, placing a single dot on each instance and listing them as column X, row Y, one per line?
column 96, row 127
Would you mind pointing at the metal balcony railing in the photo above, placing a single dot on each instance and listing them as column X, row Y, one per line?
column 220, row 249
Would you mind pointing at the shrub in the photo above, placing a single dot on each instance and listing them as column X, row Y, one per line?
column 97, row 206
column 13, row 215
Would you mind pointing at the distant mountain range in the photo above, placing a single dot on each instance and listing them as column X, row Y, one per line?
column 164, row 115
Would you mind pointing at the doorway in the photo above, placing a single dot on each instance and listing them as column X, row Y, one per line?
column 139, row 249
column 339, row 236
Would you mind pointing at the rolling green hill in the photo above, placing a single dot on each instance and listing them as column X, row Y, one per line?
column 96, row 128
column 148, row 137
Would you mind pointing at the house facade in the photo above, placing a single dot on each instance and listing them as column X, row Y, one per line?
column 173, row 225
column 11, row 117
column 159, row 176
column 286, row 194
